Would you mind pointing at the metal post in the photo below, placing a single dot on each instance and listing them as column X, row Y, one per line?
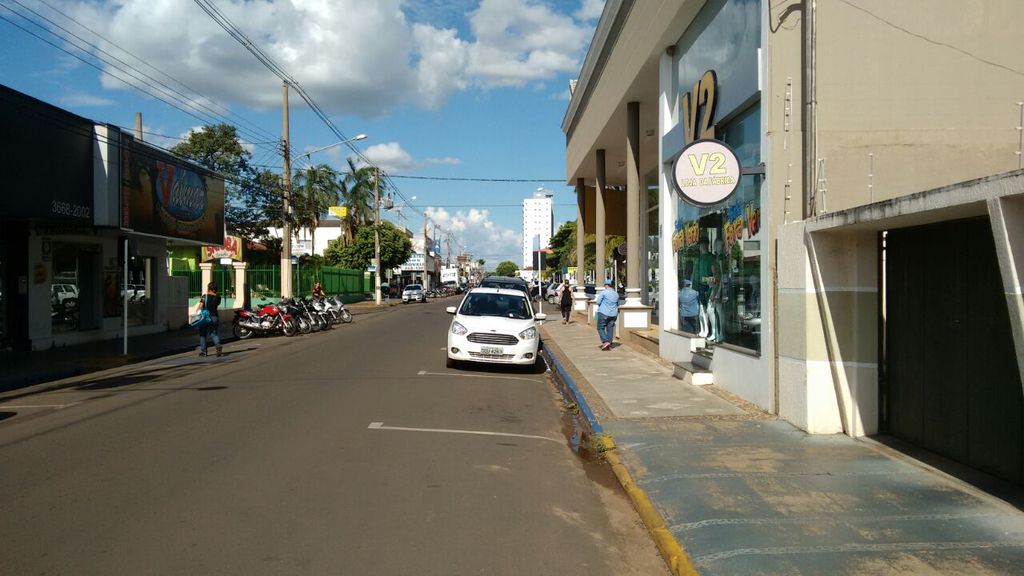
column 124, row 298
column 286, row 229
column 376, row 236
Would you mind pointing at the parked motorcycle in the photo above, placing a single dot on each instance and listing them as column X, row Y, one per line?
column 269, row 319
column 339, row 307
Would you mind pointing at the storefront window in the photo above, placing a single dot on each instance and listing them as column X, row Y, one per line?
column 652, row 236
column 140, row 291
column 64, row 290
column 718, row 251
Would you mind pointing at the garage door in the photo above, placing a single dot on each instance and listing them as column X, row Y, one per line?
column 952, row 384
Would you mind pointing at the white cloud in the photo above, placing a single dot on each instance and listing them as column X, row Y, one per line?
column 589, row 10
column 83, row 99
column 480, row 236
column 352, row 56
column 392, row 158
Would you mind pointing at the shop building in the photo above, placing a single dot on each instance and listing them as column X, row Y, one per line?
column 76, row 196
column 801, row 290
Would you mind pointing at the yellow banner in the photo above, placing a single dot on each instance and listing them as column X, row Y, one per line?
column 339, row 211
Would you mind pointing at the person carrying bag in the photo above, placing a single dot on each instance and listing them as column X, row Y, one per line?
column 206, row 319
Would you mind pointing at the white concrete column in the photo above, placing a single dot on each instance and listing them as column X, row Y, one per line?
column 207, row 275
column 599, row 221
column 240, row 268
column 633, row 313
column 668, row 316
column 1007, row 218
column 579, row 298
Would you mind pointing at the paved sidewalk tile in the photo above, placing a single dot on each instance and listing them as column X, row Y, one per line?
column 745, row 493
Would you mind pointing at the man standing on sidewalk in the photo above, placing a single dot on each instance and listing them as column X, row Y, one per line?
column 607, row 312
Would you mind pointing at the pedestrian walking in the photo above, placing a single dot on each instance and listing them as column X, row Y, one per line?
column 209, row 302
column 565, row 302
column 607, row 313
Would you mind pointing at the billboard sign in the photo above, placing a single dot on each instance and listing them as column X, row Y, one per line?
column 165, row 196
column 231, row 249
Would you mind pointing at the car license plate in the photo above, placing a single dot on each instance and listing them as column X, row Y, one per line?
column 492, row 350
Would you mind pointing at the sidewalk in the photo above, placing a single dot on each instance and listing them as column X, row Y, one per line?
column 20, row 369
column 744, row 493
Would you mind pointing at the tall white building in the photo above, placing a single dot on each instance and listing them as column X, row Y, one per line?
column 538, row 220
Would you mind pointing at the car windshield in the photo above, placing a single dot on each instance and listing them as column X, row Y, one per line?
column 503, row 305
column 505, row 285
column 413, row 287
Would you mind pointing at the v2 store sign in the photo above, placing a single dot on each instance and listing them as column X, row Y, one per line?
column 706, row 172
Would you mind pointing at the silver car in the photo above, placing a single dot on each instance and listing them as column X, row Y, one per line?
column 413, row 293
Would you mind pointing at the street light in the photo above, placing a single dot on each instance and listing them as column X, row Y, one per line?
column 322, row 148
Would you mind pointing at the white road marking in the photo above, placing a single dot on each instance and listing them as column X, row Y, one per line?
column 381, row 426
column 29, row 406
column 425, row 373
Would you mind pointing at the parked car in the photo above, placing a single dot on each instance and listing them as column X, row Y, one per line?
column 64, row 292
column 506, row 283
column 413, row 293
column 493, row 325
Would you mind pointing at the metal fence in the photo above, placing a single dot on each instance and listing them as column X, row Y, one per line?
column 265, row 281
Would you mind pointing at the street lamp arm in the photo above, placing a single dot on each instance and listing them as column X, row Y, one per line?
column 322, row 148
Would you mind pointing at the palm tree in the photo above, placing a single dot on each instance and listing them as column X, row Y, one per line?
column 357, row 194
column 316, row 189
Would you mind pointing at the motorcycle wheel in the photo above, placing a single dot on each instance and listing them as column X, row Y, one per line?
column 346, row 316
column 288, row 327
column 316, row 323
column 241, row 332
column 304, row 326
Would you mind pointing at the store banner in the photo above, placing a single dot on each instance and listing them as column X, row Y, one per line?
column 166, row 196
column 449, row 275
column 232, row 248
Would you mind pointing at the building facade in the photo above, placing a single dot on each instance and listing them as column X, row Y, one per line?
column 86, row 212
column 866, row 189
column 538, row 221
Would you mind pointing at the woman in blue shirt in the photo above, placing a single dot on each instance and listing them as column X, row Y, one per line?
column 607, row 312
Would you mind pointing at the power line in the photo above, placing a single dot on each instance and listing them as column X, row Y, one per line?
column 137, row 86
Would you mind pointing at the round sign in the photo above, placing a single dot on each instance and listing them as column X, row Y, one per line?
column 706, row 172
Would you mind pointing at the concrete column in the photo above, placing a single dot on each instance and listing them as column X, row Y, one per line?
column 633, row 241
column 668, row 298
column 599, row 272
column 634, row 313
column 1007, row 218
column 240, row 268
column 579, row 298
column 207, row 275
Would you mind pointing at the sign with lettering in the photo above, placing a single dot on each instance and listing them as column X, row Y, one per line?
column 165, row 196
column 706, row 172
column 231, row 250
column 698, row 105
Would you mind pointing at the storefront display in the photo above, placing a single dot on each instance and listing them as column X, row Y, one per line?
column 718, row 250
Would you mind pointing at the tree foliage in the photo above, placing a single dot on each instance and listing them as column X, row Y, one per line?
column 395, row 248
column 357, row 193
column 506, row 268
column 218, row 148
column 315, row 189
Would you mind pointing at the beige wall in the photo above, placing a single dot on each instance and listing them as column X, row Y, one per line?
column 929, row 87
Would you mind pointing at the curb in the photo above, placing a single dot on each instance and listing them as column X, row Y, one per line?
column 675, row 556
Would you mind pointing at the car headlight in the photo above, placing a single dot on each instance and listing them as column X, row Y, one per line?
column 459, row 329
column 528, row 334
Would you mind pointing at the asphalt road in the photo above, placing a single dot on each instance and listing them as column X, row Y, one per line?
column 349, row 452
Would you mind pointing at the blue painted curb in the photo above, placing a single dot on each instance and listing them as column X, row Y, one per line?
column 595, row 426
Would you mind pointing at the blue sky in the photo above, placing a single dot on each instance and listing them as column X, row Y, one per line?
column 443, row 88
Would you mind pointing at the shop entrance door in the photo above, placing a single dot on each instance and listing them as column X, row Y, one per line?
column 952, row 384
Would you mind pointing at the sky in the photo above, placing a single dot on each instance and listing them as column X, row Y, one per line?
column 445, row 90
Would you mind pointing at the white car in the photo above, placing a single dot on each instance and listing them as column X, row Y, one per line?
column 413, row 293
column 493, row 325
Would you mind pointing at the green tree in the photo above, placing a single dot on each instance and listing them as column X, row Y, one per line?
column 218, row 148
column 563, row 247
column 315, row 190
column 506, row 268
column 357, row 192
column 395, row 249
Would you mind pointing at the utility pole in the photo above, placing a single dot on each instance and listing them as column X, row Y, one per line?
column 286, row 229
column 376, row 236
